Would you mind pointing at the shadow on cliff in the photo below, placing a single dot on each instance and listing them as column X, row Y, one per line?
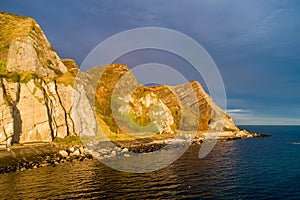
column 17, row 124
column 17, row 117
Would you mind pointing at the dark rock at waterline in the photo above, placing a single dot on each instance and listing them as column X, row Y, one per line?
column 262, row 135
column 35, row 156
column 20, row 158
column 146, row 148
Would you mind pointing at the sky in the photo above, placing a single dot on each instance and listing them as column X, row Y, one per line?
column 254, row 44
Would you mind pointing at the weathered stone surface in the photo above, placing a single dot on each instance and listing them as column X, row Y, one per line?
column 196, row 100
column 82, row 114
column 11, row 96
column 6, row 120
column 31, row 51
column 63, row 153
column 37, row 111
column 34, row 106
column 185, row 107
column 56, row 111
column 71, row 149
column 65, row 93
column 40, row 101
column 76, row 153
column 34, row 121
column 148, row 105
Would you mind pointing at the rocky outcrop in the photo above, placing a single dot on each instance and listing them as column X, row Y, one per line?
column 146, row 107
column 25, row 47
column 38, row 97
column 195, row 98
column 82, row 114
column 43, row 97
column 31, row 156
column 127, row 106
column 6, row 117
column 36, row 111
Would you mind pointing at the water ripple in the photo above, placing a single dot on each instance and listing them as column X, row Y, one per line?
column 265, row 168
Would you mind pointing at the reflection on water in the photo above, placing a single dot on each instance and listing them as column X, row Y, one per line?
column 187, row 177
column 254, row 168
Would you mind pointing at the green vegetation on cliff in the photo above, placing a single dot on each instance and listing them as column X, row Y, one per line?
column 68, row 140
column 3, row 65
column 12, row 27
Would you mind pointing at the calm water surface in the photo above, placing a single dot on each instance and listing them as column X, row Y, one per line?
column 260, row 168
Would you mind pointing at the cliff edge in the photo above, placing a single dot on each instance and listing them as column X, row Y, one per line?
column 37, row 94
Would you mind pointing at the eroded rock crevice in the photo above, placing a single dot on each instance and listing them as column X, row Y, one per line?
column 36, row 89
column 63, row 108
column 11, row 96
column 49, row 112
column 17, row 117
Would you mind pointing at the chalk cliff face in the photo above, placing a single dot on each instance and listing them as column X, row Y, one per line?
column 24, row 47
column 211, row 116
column 39, row 99
column 121, row 100
column 125, row 105
column 37, row 95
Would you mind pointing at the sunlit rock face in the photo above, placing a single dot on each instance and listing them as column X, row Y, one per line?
column 37, row 92
column 24, row 47
column 199, row 106
column 43, row 97
column 121, row 101
column 145, row 107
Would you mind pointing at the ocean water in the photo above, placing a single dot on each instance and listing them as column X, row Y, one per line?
column 259, row 168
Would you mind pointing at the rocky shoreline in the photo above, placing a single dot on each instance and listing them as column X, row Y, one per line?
column 26, row 157
column 21, row 158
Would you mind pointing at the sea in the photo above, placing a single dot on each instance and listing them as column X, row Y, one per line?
column 258, row 168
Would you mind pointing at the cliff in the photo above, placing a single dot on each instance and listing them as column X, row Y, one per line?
column 40, row 99
column 36, row 86
column 210, row 115
column 129, row 107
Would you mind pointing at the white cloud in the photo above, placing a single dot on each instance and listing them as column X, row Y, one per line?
column 250, row 119
column 236, row 111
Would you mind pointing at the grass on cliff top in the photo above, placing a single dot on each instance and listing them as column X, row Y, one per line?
column 12, row 27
